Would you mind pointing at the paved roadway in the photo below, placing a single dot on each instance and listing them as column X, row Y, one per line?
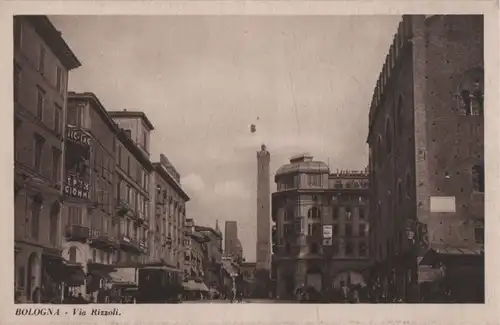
column 245, row 301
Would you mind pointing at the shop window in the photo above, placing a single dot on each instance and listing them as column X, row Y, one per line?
column 478, row 178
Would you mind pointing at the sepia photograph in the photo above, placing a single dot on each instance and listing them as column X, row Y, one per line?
column 239, row 159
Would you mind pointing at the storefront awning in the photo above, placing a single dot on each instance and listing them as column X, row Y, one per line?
column 190, row 285
column 450, row 254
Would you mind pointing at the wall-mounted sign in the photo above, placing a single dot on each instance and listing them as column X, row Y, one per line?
column 443, row 204
column 327, row 231
column 78, row 135
column 76, row 187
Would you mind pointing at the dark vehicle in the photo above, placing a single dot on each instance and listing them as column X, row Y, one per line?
column 158, row 285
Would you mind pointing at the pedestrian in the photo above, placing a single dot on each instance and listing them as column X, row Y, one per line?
column 344, row 291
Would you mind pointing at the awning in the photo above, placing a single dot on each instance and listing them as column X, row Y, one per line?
column 74, row 274
column 451, row 254
column 123, row 276
column 203, row 287
column 190, row 285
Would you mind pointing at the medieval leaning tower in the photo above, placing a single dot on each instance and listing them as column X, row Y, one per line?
column 263, row 210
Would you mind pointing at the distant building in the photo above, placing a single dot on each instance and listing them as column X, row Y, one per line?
column 169, row 221
column 42, row 62
column 321, row 226
column 426, row 139
column 232, row 245
column 213, row 257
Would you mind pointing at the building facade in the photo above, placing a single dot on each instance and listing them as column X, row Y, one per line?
column 213, row 257
column 426, row 142
column 195, row 252
column 169, row 216
column 42, row 62
column 309, row 200
column 89, row 209
column 132, row 195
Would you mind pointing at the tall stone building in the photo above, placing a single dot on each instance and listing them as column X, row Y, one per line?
column 426, row 139
column 42, row 63
column 309, row 204
column 263, row 210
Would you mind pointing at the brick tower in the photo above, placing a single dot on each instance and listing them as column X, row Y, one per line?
column 263, row 210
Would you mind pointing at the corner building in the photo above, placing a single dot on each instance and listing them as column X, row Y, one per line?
column 308, row 200
column 426, row 142
column 42, row 62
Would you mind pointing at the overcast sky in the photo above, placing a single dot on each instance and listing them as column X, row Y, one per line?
column 306, row 82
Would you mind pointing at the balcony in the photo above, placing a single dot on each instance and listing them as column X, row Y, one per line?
column 130, row 244
column 122, row 208
column 102, row 240
column 77, row 233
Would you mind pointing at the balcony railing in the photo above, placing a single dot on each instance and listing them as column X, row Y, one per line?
column 77, row 232
column 130, row 244
column 101, row 239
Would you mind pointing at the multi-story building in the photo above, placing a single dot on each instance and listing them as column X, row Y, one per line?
column 247, row 270
column 426, row 139
column 319, row 236
column 42, row 62
column 132, row 178
column 89, row 209
column 213, row 257
column 232, row 245
column 168, row 224
column 194, row 253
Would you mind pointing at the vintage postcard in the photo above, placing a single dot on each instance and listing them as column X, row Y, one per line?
column 251, row 162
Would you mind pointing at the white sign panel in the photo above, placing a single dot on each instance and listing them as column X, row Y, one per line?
column 443, row 204
column 327, row 231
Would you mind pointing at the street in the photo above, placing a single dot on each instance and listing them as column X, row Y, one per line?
column 245, row 301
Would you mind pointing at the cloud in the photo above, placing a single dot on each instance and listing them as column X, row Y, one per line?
column 193, row 182
column 232, row 189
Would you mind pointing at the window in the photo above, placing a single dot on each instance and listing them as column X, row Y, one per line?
column 120, row 156
column 348, row 230
column 59, row 78
column 348, row 249
column 75, row 216
column 473, row 101
column 41, row 60
column 129, row 194
column 315, row 180
column 363, row 250
column 314, row 248
column 40, row 104
column 145, row 140
column 17, row 82
column 479, row 233
column 335, row 212
column 309, row 229
column 128, row 165
column 73, row 115
column 313, row 213
column 379, row 154
column 361, row 212
column 338, row 184
column 37, row 152
column 36, row 208
column 57, row 119
column 348, row 213
column 478, row 178
column 362, row 230
column 56, row 165
column 388, row 136
column 289, row 214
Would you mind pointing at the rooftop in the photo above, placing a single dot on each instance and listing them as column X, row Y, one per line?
column 132, row 114
column 303, row 163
